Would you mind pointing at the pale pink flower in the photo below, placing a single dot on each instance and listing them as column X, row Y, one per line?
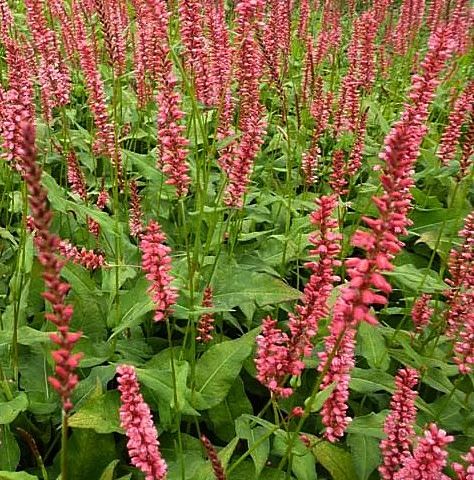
column 465, row 473
column 87, row 258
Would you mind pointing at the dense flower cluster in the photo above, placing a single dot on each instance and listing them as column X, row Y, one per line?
column 398, row 426
column 47, row 244
column 462, row 110
column 421, row 312
column 156, row 262
column 465, row 473
column 326, row 241
column 273, row 361
column 75, row 176
column 137, row 420
column 381, row 243
column 216, row 464
column 53, row 74
column 429, row 457
column 196, row 54
column 409, row 23
column 87, row 258
column 135, row 221
column 114, row 21
column 105, row 137
column 206, row 322
column 16, row 102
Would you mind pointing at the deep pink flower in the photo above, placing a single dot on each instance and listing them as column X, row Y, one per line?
column 17, row 102
column 326, row 241
column 75, row 177
column 334, row 411
column 467, row 156
column 216, row 464
column 137, row 420
column 273, row 360
column 461, row 20
column 303, row 19
column 409, row 23
column 398, row 426
column 115, row 23
column 64, row 379
column 58, row 10
column 435, row 14
column 53, row 74
column 105, row 136
column 421, row 312
column 220, row 57
column 196, row 54
column 465, row 473
column 462, row 110
column 156, row 262
column 355, row 158
column 206, row 322
column 464, row 346
column 461, row 281
column 251, row 122
column 338, row 179
column 6, row 19
column 87, row 258
column 135, row 221
column 429, row 457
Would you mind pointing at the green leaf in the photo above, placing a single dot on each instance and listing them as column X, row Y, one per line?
column 335, row 460
column 365, row 454
column 89, row 453
column 10, row 410
column 108, row 473
column 409, row 278
column 135, row 304
column 10, row 452
column 218, row 368
column 369, row 381
column 160, row 382
column 223, row 415
column 371, row 346
column 369, row 425
column 26, row 336
column 17, row 476
column 320, row 398
column 99, row 413
column 234, row 286
column 260, row 447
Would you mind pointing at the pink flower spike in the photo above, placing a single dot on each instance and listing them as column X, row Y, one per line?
column 206, row 322
column 421, row 312
column 429, row 457
column 137, row 420
column 398, row 426
column 156, row 262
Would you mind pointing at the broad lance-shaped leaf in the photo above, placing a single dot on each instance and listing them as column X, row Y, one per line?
column 17, row 476
column 365, row 454
column 9, row 449
column 10, row 410
column 372, row 346
column 218, row 368
column 258, row 442
column 233, row 287
column 160, row 382
column 100, row 413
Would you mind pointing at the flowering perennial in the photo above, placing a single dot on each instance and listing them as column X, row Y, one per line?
column 429, row 457
column 47, row 244
column 398, row 426
column 421, row 312
column 206, row 322
column 217, row 467
column 137, row 420
column 156, row 262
